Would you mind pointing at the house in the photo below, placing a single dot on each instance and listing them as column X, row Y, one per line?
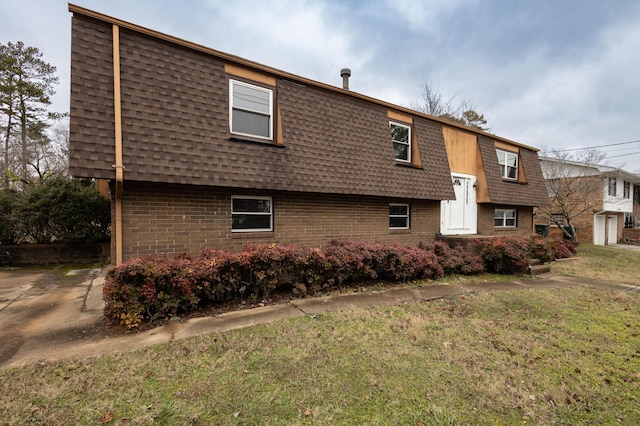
column 600, row 200
column 206, row 149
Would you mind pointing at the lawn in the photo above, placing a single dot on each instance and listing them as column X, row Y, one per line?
column 537, row 356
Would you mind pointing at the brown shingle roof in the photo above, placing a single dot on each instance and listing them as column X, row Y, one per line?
column 176, row 128
column 502, row 191
column 175, row 117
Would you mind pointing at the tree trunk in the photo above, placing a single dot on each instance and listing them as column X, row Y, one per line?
column 5, row 165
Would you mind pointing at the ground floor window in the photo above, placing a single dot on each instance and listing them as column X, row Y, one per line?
column 251, row 214
column 505, row 218
column 557, row 219
column 399, row 216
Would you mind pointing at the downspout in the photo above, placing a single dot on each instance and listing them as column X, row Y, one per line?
column 118, row 142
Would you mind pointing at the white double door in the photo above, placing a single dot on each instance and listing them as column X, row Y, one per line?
column 460, row 216
column 605, row 229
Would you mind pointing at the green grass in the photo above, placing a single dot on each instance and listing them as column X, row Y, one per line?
column 567, row 356
column 538, row 356
column 602, row 263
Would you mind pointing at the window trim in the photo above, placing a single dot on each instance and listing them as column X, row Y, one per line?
column 409, row 142
column 407, row 216
column 253, row 197
column 504, row 218
column 506, row 167
column 232, row 83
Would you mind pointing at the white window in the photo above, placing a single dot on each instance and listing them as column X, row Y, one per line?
column 251, row 214
column 508, row 164
column 401, row 138
column 399, row 216
column 626, row 190
column 505, row 218
column 612, row 184
column 251, row 110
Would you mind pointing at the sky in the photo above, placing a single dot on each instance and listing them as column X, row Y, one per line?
column 552, row 74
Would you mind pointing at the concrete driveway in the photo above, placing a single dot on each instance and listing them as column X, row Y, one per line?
column 41, row 307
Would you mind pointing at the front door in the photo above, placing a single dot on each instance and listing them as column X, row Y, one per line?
column 460, row 216
column 612, row 230
column 599, row 230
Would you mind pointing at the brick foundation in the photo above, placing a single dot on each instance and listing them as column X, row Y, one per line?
column 160, row 218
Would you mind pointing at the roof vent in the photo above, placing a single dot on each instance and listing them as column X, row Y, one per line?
column 345, row 73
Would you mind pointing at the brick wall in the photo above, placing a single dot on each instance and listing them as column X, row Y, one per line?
column 588, row 197
column 632, row 234
column 486, row 220
column 161, row 218
column 47, row 254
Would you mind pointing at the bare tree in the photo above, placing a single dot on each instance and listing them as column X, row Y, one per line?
column 574, row 184
column 434, row 102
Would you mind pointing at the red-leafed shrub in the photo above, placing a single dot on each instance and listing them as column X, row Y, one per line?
column 455, row 260
column 361, row 261
column 540, row 248
column 148, row 288
column 504, row 255
column 562, row 248
column 154, row 287
column 216, row 275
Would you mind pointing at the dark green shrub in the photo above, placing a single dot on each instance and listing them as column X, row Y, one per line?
column 10, row 227
column 66, row 210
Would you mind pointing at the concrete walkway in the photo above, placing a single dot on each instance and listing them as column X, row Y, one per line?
column 71, row 325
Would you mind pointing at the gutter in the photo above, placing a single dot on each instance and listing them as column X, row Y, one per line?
column 118, row 142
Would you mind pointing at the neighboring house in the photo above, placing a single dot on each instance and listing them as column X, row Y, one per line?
column 205, row 149
column 604, row 199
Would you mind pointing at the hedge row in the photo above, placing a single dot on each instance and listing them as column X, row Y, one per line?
column 155, row 287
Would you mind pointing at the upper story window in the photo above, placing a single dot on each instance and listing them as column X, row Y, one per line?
column 251, row 214
column 399, row 216
column 401, row 138
column 508, row 164
column 611, row 187
column 626, row 190
column 251, row 110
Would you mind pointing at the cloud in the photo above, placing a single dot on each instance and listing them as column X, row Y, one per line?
column 306, row 38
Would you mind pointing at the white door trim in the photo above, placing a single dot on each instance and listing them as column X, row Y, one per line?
column 460, row 216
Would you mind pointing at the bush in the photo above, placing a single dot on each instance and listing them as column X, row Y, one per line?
column 10, row 227
column 155, row 287
column 148, row 287
column 562, row 248
column 456, row 260
column 504, row 255
column 65, row 210
column 540, row 248
column 60, row 210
